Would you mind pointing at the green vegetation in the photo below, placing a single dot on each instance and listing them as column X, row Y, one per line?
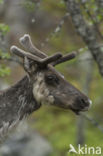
column 4, row 70
column 29, row 5
column 4, row 29
column 1, row 1
column 57, row 125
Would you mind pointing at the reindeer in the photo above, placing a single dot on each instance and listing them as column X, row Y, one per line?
column 42, row 85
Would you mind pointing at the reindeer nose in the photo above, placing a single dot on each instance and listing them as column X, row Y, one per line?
column 81, row 104
column 85, row 104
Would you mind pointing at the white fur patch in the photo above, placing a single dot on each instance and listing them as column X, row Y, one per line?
column 40, row 91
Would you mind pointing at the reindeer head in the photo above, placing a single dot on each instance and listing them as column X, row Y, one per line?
column 49, row 86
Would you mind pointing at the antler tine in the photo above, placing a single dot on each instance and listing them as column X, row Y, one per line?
column 51, row 59
column 23, row 54
column 28, row 45
column 39, row 61
column 65, row 58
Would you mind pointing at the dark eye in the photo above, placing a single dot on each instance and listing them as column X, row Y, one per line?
column 52, row 79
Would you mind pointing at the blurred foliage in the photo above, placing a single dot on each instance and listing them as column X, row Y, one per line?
column 92, row 11
column 4, row 70
column 4, row 55
column 56, row 8
column 4, row 29
column 1, row 1
column 59, row 126
column 29, row 5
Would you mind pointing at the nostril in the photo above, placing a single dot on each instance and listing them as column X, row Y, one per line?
column 82, row 103
column 85, row 102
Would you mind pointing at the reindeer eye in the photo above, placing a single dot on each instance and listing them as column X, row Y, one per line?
column 51, row 79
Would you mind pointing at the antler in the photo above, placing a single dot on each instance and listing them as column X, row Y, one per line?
column 39, row 61
column 38, row 56
column 65, row 58
column 26, row 42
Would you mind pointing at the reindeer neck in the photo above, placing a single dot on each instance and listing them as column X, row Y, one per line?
column 17, row 102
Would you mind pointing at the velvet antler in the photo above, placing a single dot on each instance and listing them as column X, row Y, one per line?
column 65, row 58
column 26, row 42
column 38, row 56
column 39, row 61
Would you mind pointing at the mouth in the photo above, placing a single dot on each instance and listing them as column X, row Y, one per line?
column 78, row 111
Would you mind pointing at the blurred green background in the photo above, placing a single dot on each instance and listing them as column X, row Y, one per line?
column 41, row 21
